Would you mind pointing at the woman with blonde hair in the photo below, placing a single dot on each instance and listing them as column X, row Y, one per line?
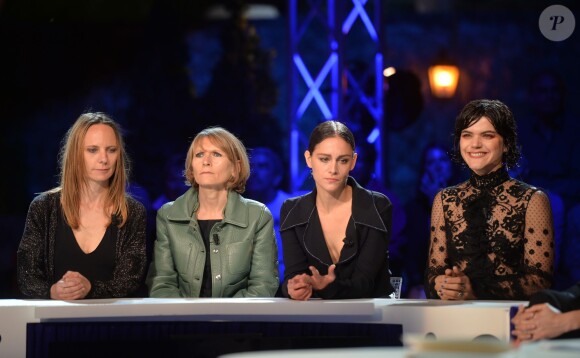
column 211, row 241
column 86, row 237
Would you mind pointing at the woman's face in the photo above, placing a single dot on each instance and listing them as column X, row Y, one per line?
column 101, row 152
column 482, row 148
column 331, row 162
column 212, row 169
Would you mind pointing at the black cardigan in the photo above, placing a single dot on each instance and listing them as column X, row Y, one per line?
column 35, row 266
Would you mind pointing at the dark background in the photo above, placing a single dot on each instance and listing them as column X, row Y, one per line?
column 165, row 70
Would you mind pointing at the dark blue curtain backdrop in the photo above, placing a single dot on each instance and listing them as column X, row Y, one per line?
column 165, row 71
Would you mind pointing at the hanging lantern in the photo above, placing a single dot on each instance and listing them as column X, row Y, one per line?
column 443, row 79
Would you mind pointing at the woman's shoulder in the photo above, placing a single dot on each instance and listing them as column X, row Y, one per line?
column 454, row 189
column 133, row 202
column 294, row 200
column 380, row 200
column 296, row 210
column 244, row 208
column 525, row 190
column 377, row 195
column 44, row 204
column 46, row 198
column 523, row 186
column 251, row 203
column 134, row 205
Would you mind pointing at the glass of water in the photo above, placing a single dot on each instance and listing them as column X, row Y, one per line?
column 396, row 282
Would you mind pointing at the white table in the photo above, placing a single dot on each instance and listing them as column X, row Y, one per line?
column 569, row 348
column 450, row 319
column 468, row 319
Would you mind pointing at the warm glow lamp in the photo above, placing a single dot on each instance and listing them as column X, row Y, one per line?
column 443, row 80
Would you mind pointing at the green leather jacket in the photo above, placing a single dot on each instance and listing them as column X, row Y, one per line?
column 243, row 264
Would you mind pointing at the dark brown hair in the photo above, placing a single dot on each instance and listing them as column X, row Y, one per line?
column 502, row 119
column 330, row 129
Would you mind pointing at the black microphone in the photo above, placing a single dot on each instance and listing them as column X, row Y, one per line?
column 216, row 239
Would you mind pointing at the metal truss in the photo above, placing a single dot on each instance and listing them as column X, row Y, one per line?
column 323, row 84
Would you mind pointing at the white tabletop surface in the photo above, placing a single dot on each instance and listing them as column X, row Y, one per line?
column 569, row 348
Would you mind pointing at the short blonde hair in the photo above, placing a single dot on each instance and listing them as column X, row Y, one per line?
column 234, row 150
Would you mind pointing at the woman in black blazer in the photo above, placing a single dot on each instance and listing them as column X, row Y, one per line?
column 335, row 238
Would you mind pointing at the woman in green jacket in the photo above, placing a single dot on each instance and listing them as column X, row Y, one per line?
column 211, row 241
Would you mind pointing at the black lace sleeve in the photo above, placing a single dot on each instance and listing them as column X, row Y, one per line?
column 538, row 245
column 437, row 258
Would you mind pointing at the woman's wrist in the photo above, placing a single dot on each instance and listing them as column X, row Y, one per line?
column 571, row 320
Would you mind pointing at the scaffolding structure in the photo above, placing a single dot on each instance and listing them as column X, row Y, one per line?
column 333, row 81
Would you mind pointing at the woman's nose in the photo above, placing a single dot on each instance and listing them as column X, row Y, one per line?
column 476, row 142
column 333, row 167
column 103, row 158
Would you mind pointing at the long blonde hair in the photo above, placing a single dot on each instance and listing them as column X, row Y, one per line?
column 73, row 172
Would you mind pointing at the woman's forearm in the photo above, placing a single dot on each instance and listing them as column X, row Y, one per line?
column 571, row 320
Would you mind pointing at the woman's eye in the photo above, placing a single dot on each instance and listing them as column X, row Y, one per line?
column 217, row 155
column 344, row 161
column 199, row 155
column 324, row 159
column 112, row 150
column 92, row 150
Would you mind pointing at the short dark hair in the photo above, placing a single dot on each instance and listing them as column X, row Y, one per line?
column 502, row 119
column 330, row 129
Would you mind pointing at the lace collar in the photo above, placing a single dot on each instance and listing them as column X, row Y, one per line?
column 490, row 180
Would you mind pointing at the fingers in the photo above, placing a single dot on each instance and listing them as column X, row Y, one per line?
column 523, row 335
column 299, row 282
column 72, row 274
column 315, row 281
column 525, row 330
column 447, row 294
column 300, row 287
column 299, row 295
column 66, row 290
column 315, row 272
column 319, row 281
column 525, row 326
column 297, row 285
column 537, row 308
column 519, row 315
column 457, row 271
column 452, row 287
column 72, row 286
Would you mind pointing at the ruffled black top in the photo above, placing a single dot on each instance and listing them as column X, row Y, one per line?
column 499, row 231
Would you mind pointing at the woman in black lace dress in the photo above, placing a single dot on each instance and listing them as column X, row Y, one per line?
column 491, row 236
